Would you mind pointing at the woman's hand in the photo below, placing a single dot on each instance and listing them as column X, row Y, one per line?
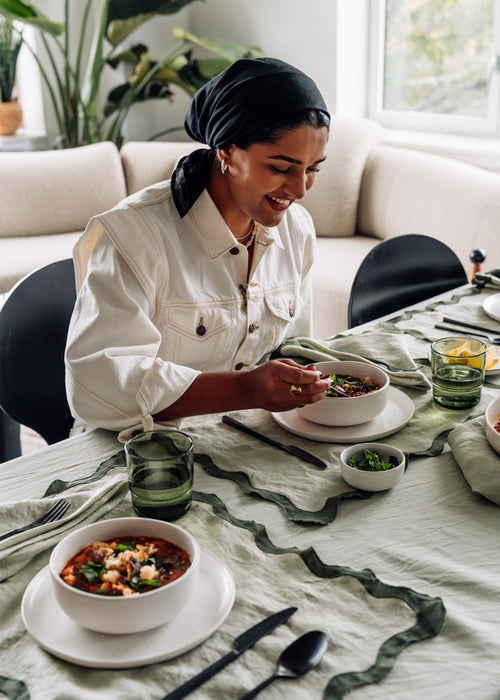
column 269, row 385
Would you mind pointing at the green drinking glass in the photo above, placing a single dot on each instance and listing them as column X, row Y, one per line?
column 458, row 366
column 160, row 473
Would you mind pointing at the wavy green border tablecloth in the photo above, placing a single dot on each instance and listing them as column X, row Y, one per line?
column 372, row 571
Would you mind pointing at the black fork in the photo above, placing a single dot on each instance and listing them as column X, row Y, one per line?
column 54, row 513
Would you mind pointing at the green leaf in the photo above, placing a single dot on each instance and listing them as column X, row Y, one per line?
column 92, row 571
column 10, row 44
column 371, row 461
column 126, row 15
column 153, row 90
column 131, row 55
column 124, row 546
column 15, row 9
column 208, row 68
column 226, row 49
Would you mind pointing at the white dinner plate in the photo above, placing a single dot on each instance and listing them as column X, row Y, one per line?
column 496, row 368
column 55, row 632
column 491, row 306
column 396, row 414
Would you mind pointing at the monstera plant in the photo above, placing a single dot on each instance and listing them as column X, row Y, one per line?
column 74, row 74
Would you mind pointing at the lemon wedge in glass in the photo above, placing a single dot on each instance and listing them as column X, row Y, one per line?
column 464, row 351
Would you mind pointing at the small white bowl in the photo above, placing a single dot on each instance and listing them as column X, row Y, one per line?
column 372, row 481
column 351, row 410
column 491, row 416
column 129, row 614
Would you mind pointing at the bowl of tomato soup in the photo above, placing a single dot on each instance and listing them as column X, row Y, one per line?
column 367, row 389
column 492, row 424
column 125, row 575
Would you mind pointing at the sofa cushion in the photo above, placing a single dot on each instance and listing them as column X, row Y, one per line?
column 147, row 162
column 335, row 265
column 65, row 188
column 333, row 201
column 23, row 254
column 405, row 191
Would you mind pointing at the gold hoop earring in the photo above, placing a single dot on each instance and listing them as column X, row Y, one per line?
column 223, row 166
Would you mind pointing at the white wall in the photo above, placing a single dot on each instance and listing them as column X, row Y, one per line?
column 302, row 32
column 285, row 29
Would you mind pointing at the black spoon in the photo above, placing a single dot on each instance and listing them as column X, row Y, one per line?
column 297, row 659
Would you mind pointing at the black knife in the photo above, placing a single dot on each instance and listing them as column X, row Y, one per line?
column 469, row 325
column 242, row 643
column 291, row 449
column 491, row 340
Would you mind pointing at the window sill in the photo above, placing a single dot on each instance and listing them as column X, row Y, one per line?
column 23, row 141
column 481, row 152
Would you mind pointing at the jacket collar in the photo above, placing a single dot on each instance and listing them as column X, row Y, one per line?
column 215, row 232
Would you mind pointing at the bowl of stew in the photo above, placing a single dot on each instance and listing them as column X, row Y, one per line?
column 125, row 575
column 492, row 424
column 367, row 387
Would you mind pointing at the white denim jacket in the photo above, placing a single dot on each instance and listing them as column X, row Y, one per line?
column 162, row 299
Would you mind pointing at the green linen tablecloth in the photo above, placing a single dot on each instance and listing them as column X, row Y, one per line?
column 405, row 583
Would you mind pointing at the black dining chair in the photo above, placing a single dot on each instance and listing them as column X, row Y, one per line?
column 34, row 324
column 401, row 271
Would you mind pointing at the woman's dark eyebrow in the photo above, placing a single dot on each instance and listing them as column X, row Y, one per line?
column 293, row 160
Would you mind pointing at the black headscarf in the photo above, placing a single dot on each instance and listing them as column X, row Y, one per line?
column 249, row 95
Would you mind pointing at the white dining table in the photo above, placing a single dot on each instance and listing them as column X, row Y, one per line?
column 405, row 583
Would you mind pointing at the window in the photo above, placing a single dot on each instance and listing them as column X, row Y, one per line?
column 435, row 65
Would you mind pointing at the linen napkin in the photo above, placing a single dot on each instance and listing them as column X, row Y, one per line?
column 88, row 504
column 379, row 345
column 479, row 463
column 487, row 279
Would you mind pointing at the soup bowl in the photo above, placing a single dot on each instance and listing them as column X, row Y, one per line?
column 352, row 410
column 131, row 613
column 492, row 417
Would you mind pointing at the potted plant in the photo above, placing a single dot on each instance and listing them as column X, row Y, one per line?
column 10, row 110
column 74, row 86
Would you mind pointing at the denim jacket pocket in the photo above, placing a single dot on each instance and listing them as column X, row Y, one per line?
column 285, row 304
column 196, row 335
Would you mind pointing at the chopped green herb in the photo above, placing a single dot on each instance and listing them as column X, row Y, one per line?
column 123, row 546
column 353, row 386
column 371, row 461
column 150, row 582
column 92, row 571
column 137, row 583
column 102, row 591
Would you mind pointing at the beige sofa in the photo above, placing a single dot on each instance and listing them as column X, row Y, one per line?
column 366, row 192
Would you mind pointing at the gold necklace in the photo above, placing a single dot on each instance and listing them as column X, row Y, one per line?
column 250, row 235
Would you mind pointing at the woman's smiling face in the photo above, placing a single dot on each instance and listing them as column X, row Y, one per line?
column 263, row 180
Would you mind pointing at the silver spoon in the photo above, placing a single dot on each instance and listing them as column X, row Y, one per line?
column 336, row 389
column 301, row 656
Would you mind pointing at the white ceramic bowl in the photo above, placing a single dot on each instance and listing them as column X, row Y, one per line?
column 492, row 415
column 350, row 410
column 372, row 481
column 129, row 614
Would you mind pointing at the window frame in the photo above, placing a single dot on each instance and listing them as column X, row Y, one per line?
column 418, row 121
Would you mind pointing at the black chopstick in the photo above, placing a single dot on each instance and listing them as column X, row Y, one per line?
column 469, row 325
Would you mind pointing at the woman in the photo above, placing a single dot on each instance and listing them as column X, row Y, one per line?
column 188, row 282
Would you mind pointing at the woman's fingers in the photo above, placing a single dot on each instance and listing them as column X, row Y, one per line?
column 281, row 385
